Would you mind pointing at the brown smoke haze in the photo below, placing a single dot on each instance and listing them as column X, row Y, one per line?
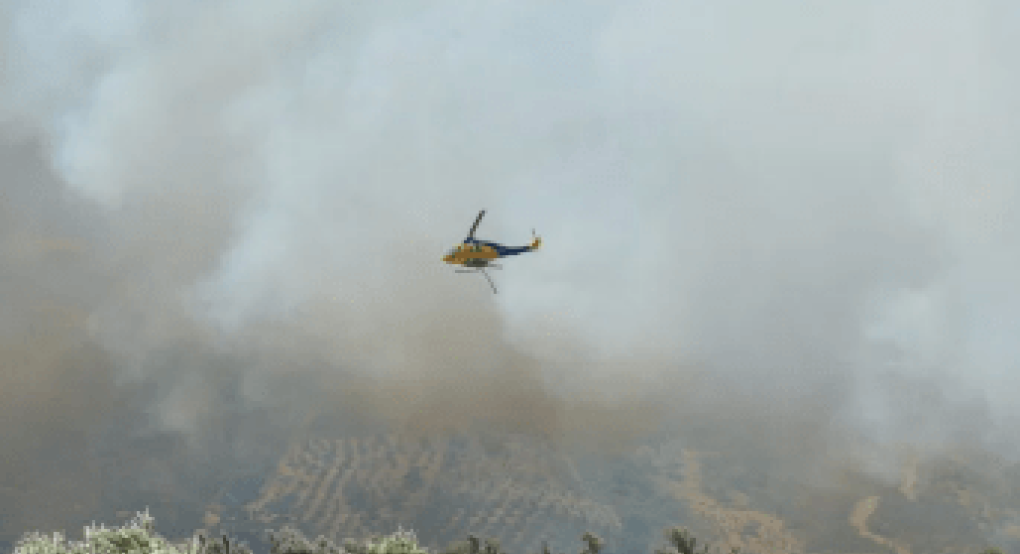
column 781, row 230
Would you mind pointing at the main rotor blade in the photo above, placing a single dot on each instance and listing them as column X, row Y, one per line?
column 471, row 234
column 493, row 285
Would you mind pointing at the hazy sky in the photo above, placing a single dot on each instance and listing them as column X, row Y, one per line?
column 805, row 215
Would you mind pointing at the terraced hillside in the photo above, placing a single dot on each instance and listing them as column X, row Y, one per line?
column 524, row 492
column 514, row 490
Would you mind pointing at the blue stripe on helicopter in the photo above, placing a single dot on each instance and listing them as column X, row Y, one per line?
column 499, row 248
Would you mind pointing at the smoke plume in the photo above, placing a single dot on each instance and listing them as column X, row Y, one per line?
column 222, row 220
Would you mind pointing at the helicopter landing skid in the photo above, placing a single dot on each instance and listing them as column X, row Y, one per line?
column 482, row 271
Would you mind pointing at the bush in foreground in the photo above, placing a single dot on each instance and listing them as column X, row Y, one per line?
column 139, row 537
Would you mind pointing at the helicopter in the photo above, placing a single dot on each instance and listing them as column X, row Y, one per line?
column 479, row 254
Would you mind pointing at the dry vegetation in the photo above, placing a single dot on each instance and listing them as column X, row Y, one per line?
column 139, row 537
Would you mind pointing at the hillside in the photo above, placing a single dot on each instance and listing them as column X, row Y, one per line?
column 524, row 493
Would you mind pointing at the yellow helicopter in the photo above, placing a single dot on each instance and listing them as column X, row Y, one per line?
column 478, row 254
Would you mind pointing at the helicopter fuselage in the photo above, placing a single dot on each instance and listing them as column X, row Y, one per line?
column 473, row 254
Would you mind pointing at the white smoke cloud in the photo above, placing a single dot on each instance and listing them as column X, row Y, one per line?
column 796, row 202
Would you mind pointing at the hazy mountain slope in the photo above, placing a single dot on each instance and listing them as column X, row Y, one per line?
column 513, row 490
column 524, row 492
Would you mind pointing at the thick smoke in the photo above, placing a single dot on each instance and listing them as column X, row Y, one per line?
column 223, row 220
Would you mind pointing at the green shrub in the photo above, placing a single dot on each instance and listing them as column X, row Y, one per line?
column 139, row 537
column 683, row 543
